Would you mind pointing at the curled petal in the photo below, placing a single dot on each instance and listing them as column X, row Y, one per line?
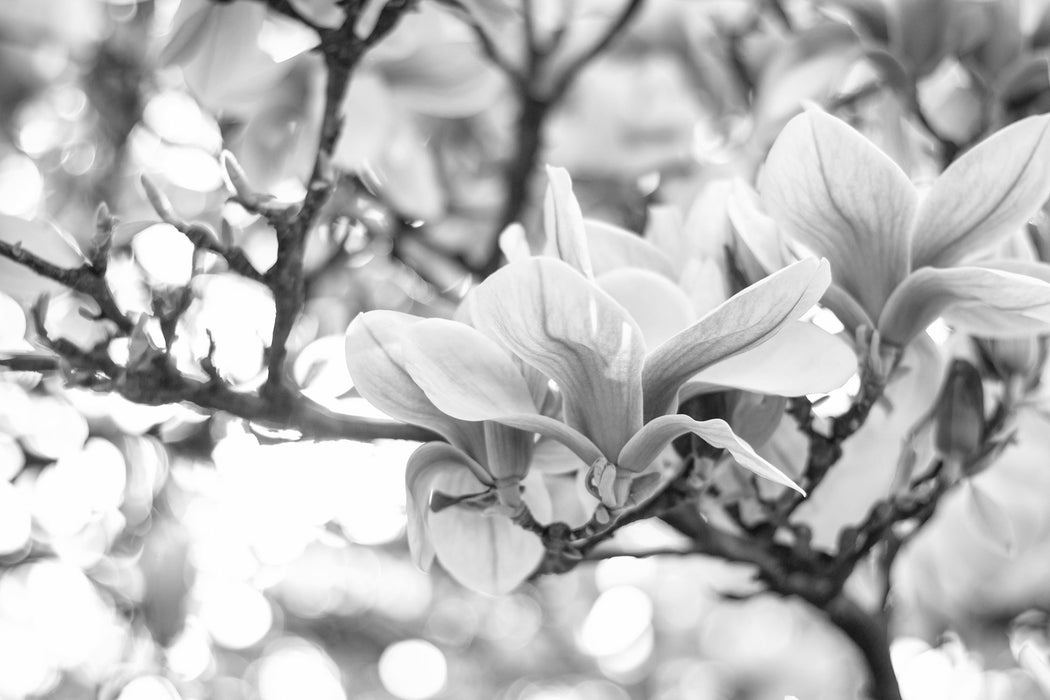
column 551, row 317
column 746, row 320
column 470, row 377
column 837, row 194
column 434, row 464
column 485, row 552
column 651, row 440
column 997, row 302
column 985, row 195
column 375, row 358
column 800, row 359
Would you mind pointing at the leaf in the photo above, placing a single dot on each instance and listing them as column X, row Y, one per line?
column 375, row 358
column 659, row 307
column 551, row 317
column 486, row 553
column 986, row 195
column 1019, row 304
column 834, row 192
column 563, row 223
column 801, row 359
column 746, row 320
column 658, row 433
column 470, row 377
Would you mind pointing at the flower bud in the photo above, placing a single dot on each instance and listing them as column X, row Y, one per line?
column 960, row 413
column 1013, row 357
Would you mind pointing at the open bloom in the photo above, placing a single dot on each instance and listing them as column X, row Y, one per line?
column 618, row 395
column 901, row 260
column 666, row 287
column 482, row 465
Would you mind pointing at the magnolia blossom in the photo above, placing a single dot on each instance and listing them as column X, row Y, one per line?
column 667, row 285
column 484, row 462
column 618, row 395
column 902, row 259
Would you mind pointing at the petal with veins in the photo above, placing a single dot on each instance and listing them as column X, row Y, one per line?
column 554, row 319
column 746, row 320
column 985, row 195
column 840, row 196
column 651, row 440
column 656, row 303
column 1017, row 304
column 563, row 223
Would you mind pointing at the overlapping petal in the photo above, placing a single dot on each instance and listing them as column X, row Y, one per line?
column 837, row 194
column 800, row 359
column 375, row 358
column 746, row 320
column 612, row 248
column 469, row 377
column 657, row 304
column 1020, row 303
column 644, row 447
column 554, row 319
column 985, row 195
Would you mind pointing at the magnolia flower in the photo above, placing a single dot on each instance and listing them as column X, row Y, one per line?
column 618, row 395
column 667, row 286
column 901, row 260
column 482, row 465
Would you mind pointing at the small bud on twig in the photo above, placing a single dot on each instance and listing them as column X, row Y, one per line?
column 160, row 203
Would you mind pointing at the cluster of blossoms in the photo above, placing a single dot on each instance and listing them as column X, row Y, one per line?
column 575, row 359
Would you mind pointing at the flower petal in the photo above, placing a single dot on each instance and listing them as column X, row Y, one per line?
column 563, row 223
column 759, row 232
column 613, row 248
column 664, row 232
column 985, row 195
column 486, row 553
column 374, row 356
column 470, row 377
column 555, row 320
column 428, row 465
column 746, row 320
column 800, row 359
column 650, row 441
column 658, row 305
column 1021, row 303
column 840, row 196
column 846, row 308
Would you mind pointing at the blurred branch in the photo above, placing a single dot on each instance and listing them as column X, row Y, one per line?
column 86, row 279
column 537, row 101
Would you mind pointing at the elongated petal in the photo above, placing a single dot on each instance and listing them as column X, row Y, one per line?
column 651, row 440
column 1021, row 303
column 467, row 375
column 513, row 243
column 800, row 359
column 430, row 464
column 552, row 457
column 755, row 228
column 486, row 553
column 985, row 195
column 747, row 320
column 658, row 305
column 376, row 362
column 837, row 194
column 613, row 248
column 563, row 223
column 547, row 314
